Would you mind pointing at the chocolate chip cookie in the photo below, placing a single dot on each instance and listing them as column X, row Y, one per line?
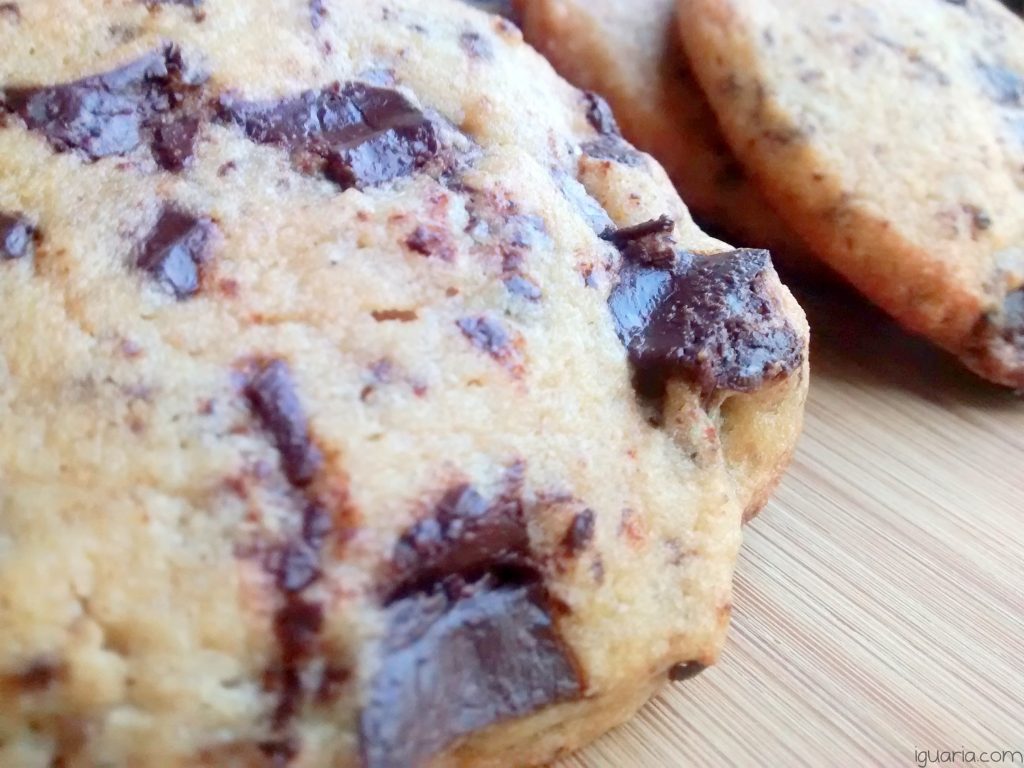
column 891, row 137
column 365, row 399
column 629, row 52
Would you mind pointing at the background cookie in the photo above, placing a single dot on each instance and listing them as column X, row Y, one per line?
column 891, row 137
column 362, row 393
column 629, row 53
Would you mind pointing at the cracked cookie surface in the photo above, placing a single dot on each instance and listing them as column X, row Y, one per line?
column 323, row 439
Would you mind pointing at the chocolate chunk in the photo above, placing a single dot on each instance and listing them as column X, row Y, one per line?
column 16, row 236
column 1004, row 86
column 524, row 287
column 600, row 116
column 10, row 11
column 1002, row 327
column 707, row 318
column 317, row 13
column 106, row 114
column 458, row 660
column 272, row 396
column 357, row 135
column 580, row 533
column 476, row 46
column 466, row 535
column 1013, row 318
column 613, row 149
column 174, row 142
column 175, row 250
column 685, row 671
column 649, row 243
column 429, row 240
column 487, row 333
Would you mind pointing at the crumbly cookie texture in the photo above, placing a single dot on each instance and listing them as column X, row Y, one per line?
column 629, row 52
column 892, row 138
column 362, row 393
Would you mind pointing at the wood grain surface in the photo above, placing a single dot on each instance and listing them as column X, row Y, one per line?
column 879, row 603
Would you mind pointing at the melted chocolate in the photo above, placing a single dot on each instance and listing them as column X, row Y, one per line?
column 460, row 659
column 273, row 399
column 707, row 318
column 16, row 236
column 175, row 250
column 110, row 113
column 357, row 135
column 466, row 535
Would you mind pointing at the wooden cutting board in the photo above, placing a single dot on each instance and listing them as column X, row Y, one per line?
column 879, row 602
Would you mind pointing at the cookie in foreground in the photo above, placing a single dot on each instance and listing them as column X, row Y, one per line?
column 363, row 393
column 891, row 137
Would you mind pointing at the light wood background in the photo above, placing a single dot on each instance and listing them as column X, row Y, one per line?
column 879, row 602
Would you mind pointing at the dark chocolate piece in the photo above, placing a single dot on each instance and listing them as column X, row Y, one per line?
column 429, row 240
column 599, row 115
column 298, row 621
column 580, row 533
column 524, row 287
column 357, row 135
column 11, row 11
column 476, row 46
column 16, row 236
column 110, row 113
column 466, row 535
column 174, row 142
column 487, row 333
column 1003, row 85
column 647, row 243
column 613, row 149
column 685, row 671
column 272, row 396
column 317, row 13
column 708, row 318
column 458, row 660
column 175, row 250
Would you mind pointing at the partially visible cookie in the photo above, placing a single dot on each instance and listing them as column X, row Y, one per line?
column 362, row 394
column 891, row 137
column 628, row 51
